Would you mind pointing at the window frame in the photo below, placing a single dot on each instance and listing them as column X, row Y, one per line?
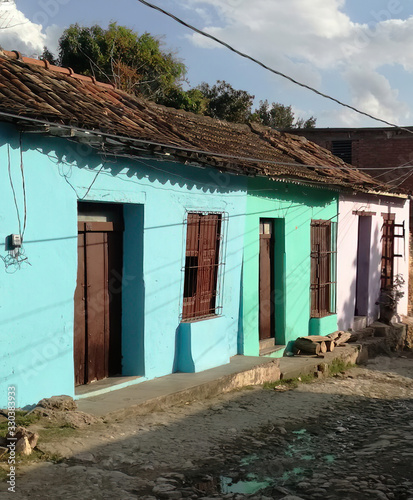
column 323, row 271
column 203, row 277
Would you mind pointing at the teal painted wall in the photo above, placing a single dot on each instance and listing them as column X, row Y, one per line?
column 292, row 207
column 36, row 309
column 323, row 326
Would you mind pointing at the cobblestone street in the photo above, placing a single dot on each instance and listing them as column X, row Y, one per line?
column 345, row 437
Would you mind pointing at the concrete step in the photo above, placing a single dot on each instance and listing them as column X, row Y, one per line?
column 360, row 322
column 297, row 366
column 271, row 350
column 358, row 335
column 267, row 344
column 178, row 388
column 380, row 329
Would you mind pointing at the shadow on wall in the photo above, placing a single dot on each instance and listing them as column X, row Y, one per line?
column 183, row 361
column 68, row 155
column 346, row 316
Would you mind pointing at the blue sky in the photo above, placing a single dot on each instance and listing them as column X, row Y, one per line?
column 361, row 52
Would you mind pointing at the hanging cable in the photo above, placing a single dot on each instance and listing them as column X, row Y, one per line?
column 13, row 190
column 23, row 186
column 268, row 68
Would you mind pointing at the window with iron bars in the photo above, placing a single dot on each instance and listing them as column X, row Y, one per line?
column 323, row 268
column 390, row 231
column 203, row 263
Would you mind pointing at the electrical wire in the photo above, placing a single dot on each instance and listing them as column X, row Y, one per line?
column 23, row 186
column 268, row 68
column 13, row 190
column 185, row 149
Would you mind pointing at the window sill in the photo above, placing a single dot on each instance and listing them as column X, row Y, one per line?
column 324, row 316
column 201, row 318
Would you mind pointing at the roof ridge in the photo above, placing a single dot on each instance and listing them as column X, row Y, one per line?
column 15, row 54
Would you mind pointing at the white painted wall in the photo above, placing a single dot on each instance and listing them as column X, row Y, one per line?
column 347, row 253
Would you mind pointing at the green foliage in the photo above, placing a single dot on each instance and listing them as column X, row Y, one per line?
column 338, row 366
column 280, row 117
column 23, row 418
column 140, row 65
column 192, row 100
column 119, row 55
column 227, row 103
column 48, row 56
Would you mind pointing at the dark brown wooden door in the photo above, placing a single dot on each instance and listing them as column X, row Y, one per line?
column 266, row 281
column 97, row 336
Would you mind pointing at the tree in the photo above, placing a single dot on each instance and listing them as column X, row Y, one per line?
column 192, row 100
column 134, row 63
column 48, row 56
column 280, row 117
column 227, row 103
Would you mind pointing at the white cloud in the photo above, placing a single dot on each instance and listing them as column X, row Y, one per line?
column 17, row 32
column 373, row 93
column 305, row 38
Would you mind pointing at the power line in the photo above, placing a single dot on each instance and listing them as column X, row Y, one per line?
column 182, row 148
column 268, row 68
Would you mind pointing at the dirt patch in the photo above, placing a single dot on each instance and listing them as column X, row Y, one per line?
column 349, row 436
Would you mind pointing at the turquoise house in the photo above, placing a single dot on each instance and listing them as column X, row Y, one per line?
column 277, row 270
column 133, row 237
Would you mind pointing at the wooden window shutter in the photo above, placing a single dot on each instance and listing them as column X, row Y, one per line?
column 201, row 265
column 321, row 268
column 191, row 266
column 208, row 261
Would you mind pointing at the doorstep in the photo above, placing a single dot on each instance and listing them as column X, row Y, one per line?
column 105, row 385
column 182, row 388
column 269, row 348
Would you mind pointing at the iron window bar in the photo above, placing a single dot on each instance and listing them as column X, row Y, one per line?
column 205, row 250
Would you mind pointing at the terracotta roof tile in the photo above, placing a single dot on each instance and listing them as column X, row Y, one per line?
column 57, row 95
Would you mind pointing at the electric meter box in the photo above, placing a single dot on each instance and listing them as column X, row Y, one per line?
column 13, row 241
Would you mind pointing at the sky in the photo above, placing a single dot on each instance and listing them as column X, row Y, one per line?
column 358, row 51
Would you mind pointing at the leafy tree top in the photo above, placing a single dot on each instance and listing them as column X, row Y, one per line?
column 117, row 54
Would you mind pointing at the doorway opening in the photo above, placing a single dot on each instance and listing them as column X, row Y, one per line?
column 98, row 295
column 271, row 285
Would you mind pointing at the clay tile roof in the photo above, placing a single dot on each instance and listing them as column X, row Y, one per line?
column 32, row 89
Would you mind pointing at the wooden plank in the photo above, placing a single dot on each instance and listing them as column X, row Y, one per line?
column 307, row 346
column 115, row 265
column 191, row 266
column 79, row 347
column 362, row 213
column 207, row 273
column 97, row 302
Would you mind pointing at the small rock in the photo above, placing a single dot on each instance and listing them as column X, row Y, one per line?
column 292, row 497
column 303, row 485
column 85, row 457
column 25, row 440
column 23, row 446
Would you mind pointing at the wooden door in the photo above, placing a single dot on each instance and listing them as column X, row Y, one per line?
column 266, row 281
column 97, row 336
